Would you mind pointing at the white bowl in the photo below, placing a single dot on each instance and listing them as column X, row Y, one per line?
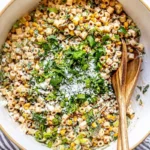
column 140, row 126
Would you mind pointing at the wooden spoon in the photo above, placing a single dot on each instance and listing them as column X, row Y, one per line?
column 133, row 70
column 119, row 84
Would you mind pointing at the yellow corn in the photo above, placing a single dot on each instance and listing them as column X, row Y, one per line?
column 83, row 117
column 94, row 125
column 62, row 132
column 69, row 122
column 106, row 23
column 110, row 128
column 72, row 32
column 100, row 121
column 126, row 24
column 107, row 132
column 96, row 15
column 75, row 22
column 118, row 43
column 31, row 31
column 98, row 24
column 116, row 135
column 131, row 50
column 111, row 117
column 26, row 85
column 72, row 144
column 25, row 115
column 26, row 23
column 40, row 29
column 42, row 32
column 26, row 106
column 81, row 18
column 35, row 24
column 103, row 6
column 94, row 143
column 93, row 19
column 75, row 119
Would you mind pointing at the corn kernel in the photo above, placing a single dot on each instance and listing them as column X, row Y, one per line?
column 111, row 117
column 81, row 18
column 98, row 24
column 110, row 129
column 76, row 21
column 27, row 24
column 25, row 115
column 96, row 15
column 93, row 19
column 131, row 50
column 83, row 117
column 100, row 121
column 106, row 23
column 62, row 132
column 126, row 24
column 72, row 32
column 69, row 122
column 94, row 125
column 116, row 135
column 107, row 132
column 103, row 6
column 42, row 32
column 72, row 144
column 118, row 43
column 26, row 106
column 26, row 85
column 40, row 29
column 35, row 24
column 31, row 31
column 75, row 119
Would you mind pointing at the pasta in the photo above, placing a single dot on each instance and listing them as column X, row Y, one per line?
column 56, row 67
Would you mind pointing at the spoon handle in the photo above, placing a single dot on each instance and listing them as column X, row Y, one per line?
column 123, row 123
column 119, row 140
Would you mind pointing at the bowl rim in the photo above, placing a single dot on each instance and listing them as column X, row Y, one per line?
column 12, row 139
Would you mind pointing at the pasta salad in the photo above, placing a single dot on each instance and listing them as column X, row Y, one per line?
column 56, row 67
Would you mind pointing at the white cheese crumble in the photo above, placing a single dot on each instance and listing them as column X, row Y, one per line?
column 76, row 87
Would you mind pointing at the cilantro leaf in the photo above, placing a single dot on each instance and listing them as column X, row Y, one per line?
column 55, row 80
column 91, row 41
column 122, row 30
column 78, row 54
column 55, row 10
column 145, row 88
column 105, row 38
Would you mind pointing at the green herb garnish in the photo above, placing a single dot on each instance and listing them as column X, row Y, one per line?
column 55, row 10
column 145, row 88
column 137, row 97
column 91, row 41
column 140, row 88
column 122, row 30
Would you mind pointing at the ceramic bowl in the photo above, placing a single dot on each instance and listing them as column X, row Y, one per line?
column 140, row 125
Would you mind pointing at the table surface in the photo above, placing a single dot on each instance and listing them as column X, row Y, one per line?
column 5, row 144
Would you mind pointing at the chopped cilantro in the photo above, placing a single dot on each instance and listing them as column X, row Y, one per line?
column 145, row 88
column 137, row 97
column 91, row 41
column 122, row 30
column 140, row 88
column 55, row 10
